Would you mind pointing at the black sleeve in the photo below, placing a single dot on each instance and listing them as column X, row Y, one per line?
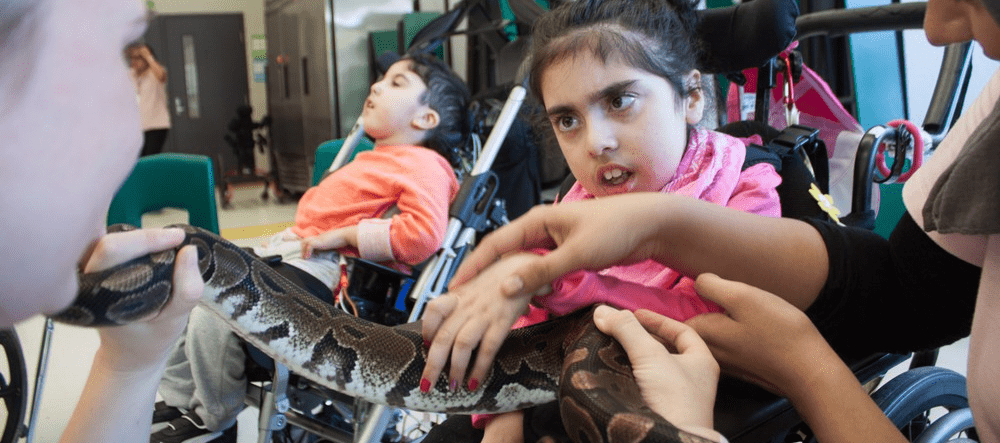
column 898, row 295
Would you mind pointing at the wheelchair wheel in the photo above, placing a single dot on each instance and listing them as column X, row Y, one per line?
column 916, row 398
column 13, row 387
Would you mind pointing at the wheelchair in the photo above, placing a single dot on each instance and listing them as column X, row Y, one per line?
column 744, row 412
column 747, row 413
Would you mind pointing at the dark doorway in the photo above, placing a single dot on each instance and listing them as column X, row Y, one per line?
column 205, row 57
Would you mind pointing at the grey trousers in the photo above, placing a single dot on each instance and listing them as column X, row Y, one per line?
column 205, row 372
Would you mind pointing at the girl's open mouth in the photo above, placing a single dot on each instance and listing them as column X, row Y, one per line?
column 615, row 176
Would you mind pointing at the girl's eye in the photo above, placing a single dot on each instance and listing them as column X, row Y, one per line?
column 622, row 102
column 565, row 123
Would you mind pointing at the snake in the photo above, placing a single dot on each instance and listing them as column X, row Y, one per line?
column 566, row 359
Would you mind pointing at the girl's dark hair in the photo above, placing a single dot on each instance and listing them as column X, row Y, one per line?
column 657, row 36
column 447, row 95
column 137, row 45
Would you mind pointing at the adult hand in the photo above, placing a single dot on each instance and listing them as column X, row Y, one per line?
column 766, row 340
column 475, row 314
column 761, row 337
column 332, row 239
column 144, row 344
column 672, row 365
column 591, row 234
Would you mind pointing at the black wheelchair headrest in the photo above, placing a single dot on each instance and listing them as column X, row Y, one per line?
column 746, row 35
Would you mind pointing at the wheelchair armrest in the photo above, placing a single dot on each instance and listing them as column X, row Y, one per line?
column 382, row 270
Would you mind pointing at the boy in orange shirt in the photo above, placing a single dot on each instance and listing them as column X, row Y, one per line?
column 417, row 116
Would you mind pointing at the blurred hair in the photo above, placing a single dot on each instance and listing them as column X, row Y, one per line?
column 18, row 43
column 12, row 13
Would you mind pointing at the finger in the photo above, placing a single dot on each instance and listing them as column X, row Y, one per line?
column 625, row 328
column 721, row 333
column 307, row 248
column 525, row 232
column 435, row 313
column 485, row 254
column 680, row 336
column 468, row 338
column 740, row 300
column 188, row 283
column 488, row 349
column 535, row 275
column 438, row 353
column 120, row 247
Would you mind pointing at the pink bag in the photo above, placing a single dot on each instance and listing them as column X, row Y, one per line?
column 819, row 108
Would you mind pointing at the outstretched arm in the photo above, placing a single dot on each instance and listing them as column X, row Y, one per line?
column 783, row 256
column 130, row 360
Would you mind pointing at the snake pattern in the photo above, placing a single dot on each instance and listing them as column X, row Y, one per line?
column 566, row 358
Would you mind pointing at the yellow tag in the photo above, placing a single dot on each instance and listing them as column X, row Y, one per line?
column 825, row 202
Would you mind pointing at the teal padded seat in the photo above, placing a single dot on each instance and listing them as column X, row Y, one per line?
column 168, row 180
column 327, row 151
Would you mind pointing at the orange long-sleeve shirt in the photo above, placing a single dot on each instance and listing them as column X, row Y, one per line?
column 417, row 180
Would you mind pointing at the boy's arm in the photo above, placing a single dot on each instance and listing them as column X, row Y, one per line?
column 417, row 231
column 332, row 239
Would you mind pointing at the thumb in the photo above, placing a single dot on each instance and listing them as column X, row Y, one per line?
column 188, row 286
column 737, row 298
column 623, row 326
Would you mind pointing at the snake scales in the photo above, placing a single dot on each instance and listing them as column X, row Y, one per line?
column 566, row 358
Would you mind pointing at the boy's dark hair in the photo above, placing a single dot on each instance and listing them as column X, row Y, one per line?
column 657, row 36
column 447, row 95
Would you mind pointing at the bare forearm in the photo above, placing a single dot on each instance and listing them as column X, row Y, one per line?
column 783, row 256
column 115, row 405
column 838, row 410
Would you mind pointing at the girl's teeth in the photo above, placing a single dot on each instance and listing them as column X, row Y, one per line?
column 615, row 177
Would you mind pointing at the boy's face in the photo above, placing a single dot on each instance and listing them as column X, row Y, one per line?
column 392, row 111
column 955, row 21
column 620, row 128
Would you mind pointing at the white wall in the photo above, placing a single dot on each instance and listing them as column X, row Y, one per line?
column 253, row 23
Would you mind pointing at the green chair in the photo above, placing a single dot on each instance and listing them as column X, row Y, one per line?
column 327, row 152
column 184, row 181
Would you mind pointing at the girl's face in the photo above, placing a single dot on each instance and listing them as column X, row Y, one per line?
column 620, row 128
column 393, row 110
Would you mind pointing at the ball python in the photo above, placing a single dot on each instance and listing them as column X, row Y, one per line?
column 566, row 358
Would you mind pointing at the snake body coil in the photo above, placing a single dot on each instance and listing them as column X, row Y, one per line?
column 599, row 399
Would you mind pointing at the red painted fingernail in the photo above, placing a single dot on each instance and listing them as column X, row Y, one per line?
column 453, row 385
column 473, row 384
column 427, row 344
column 425, row 385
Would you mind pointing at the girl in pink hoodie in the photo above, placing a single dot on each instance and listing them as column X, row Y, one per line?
column 618, row 83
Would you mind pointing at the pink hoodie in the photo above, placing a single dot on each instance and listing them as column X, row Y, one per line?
column 711, row 170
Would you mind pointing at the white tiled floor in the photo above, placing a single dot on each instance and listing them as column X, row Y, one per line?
column 73, row 348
